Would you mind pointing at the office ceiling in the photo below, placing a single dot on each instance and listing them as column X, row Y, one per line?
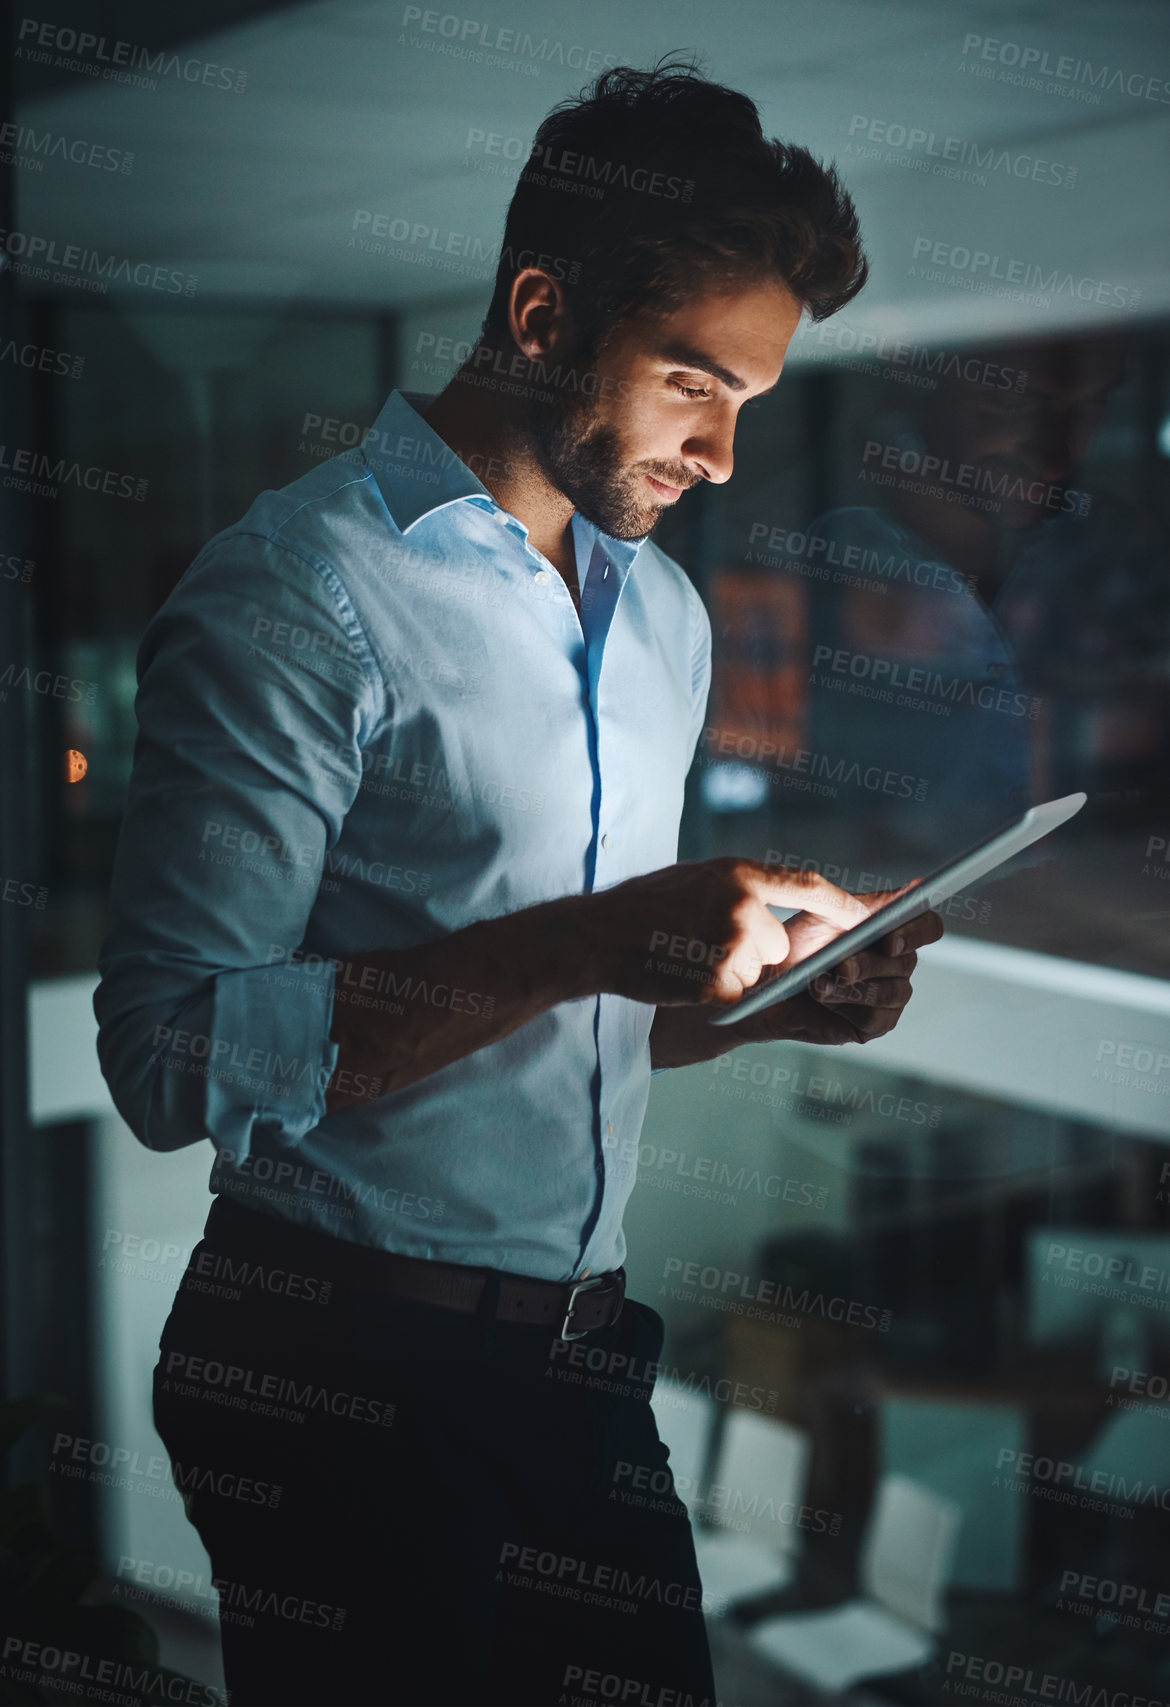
column 355, row 107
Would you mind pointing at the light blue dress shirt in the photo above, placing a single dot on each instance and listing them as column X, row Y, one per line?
column 368, row 716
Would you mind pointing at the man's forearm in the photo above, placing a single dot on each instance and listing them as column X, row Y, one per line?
column 402, row 1014
column 680, row 1037
column 684, row 1036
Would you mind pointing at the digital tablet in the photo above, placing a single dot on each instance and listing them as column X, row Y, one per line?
column 976, row 863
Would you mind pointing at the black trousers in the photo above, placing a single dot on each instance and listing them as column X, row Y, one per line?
column 403, row 1504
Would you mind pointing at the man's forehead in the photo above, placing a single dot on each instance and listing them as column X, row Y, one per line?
column 726, row 335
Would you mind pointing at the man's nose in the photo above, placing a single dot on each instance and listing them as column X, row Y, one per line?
column 710, row 451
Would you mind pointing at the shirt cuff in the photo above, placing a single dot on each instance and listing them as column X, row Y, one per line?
column 271, row 1056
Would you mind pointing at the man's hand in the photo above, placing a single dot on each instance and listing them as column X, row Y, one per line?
column 683, row 938
column 702, row 931
column 856, row 1002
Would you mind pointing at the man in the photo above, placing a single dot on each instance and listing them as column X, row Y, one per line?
column 397, row 923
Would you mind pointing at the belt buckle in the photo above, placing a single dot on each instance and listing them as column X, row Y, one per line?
column 579, row 1286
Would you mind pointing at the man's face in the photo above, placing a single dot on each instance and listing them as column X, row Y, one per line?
column 663, row 408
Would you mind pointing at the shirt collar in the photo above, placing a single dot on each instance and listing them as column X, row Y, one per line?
column 418, row 473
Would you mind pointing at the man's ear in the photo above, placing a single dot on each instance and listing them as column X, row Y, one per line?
column 538, row 315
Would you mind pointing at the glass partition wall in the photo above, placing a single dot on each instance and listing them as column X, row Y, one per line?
column 916, row 1376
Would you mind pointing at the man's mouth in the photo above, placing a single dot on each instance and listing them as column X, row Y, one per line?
column 668, row 494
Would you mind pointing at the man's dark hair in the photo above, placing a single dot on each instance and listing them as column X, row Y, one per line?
column 653, row 185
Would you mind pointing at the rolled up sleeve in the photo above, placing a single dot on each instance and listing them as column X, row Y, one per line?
column 256, row 691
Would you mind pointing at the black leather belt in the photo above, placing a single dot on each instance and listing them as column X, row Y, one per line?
column 574, row 1307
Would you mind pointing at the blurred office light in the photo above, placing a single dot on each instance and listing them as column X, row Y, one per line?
column 731, row 787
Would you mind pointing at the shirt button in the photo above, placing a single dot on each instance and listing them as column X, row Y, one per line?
column 609, row 1128
column 605, row 842
column 585, row 1273
column 541, row 577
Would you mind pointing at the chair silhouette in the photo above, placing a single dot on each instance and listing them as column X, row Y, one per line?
column 905, row 1563
column 748, row 1536
column 685, row 1420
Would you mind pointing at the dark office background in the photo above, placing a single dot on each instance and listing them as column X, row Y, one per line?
column 1039, row 1043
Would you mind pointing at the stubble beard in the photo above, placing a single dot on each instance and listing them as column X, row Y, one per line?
column 581, row 456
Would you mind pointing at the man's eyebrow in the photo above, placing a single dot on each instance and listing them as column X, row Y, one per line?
column 687, row 355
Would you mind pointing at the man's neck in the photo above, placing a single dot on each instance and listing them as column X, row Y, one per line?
column 483, row 431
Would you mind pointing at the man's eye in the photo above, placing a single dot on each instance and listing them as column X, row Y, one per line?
column 689, row 390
